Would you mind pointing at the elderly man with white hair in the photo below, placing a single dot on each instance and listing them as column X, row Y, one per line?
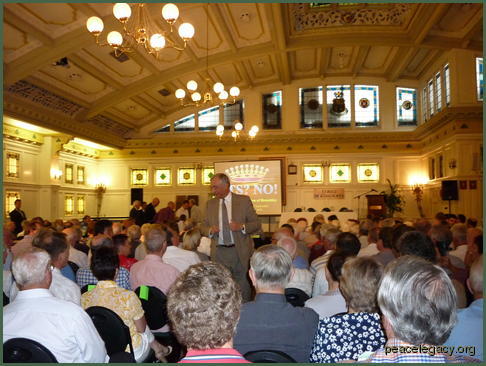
column 61, row 326
column 300, row 278
column 418, row 303
column 270, row 322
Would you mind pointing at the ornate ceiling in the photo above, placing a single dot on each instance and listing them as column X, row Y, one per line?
column 57, row 77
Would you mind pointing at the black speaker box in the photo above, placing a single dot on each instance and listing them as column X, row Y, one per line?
column 449, row 190
column 136, row 194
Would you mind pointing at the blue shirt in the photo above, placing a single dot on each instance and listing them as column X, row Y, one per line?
column 468, row 330
column 68, row 272
column 300, row 262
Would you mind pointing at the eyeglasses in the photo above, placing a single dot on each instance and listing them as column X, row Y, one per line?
column 51, row 267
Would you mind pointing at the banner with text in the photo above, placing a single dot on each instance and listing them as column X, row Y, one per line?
column 328, row 193
column 261, row 180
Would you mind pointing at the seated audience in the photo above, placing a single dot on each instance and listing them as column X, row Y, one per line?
column 372, row 247
column 459, row 241
column 73, row 235
column 55, row 244
column 364, row 228
column 332, row 301
column 62, row 327
column 329, row 235
column 117, row 228
column 346, row 243
column 141, row 250
column 302, row 255
column 177, row 257
column 204, row 310
column 475, row 251
column 384, row 245
column 472, row 230
column 134, row 234
column 270, row 322
column 126, row 304
column 191, row 240
column 418, row 303
column 85, row 276
column 31, row 229
column 120, row 241
column 469, row 327
column 398, row 231
column 300, row 278
column 422, row 225
column 347, row 336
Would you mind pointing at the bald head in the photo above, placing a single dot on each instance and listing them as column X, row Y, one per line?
column 289, row 244
column 73, row 235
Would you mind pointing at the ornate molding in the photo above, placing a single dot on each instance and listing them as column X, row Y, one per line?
column 19, row 134
column 109, row 124
column 336, row 15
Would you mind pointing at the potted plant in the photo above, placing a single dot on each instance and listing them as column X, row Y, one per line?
column 393, row 200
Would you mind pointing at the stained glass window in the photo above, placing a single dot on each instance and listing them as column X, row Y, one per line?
column 438, row 91
column 313, row 173
column 81, row 205
column 406, row 107
column 13, row 165
column 440, row 166
column 368, row 173
column 68, row 173
column 430, row 90
column 187, row 123
column 339, row 105
column 366, row 105
column 272, row 110
column 340, row 173
column 447, row 84
column 163, row 177
column 80, row 178
column 233, row 112
column 68, row 205
column 310, row 101
column 479, row 77
column 208, row 119
column 207, row 174
column 186, row 176
column 139, row 177
column 165, row 128
column 10, row 198
column 424, row 104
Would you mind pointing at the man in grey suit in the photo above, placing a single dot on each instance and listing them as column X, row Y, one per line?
column 230, row 221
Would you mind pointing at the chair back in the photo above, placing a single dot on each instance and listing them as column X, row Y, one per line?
column 268, row 356
column 24, row 350
column 296, row 296
column 111, row 328
column 74, row 267
column 154, row 303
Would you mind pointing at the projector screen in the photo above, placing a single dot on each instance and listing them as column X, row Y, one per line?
column 261, row 180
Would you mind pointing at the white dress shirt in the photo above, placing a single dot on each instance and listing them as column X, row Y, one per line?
column 328, row 304
column 180, row 258
column 182, row 211
column 61, row 287
column 320, row 286
column 64, row 328
column 228, row 202
column 301, row 279
column 459, row 252
column 369, row 250
column 78, row 257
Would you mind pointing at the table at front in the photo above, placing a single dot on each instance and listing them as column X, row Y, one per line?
column 342, row 216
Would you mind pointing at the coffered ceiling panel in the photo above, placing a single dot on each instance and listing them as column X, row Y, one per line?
column 132, row 109
column 228, row 74
column 17, row 43
column 457, row 17
column 341, row 58
column 377, row 57
column 417, row 59
column 304, row 62
column 262, row 67
column 246, row 22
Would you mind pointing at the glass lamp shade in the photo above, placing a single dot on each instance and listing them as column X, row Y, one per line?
column 196, row 97
column 252, row 133
column 238, row 126
column 157, row 41
column 234, row 134
column 186, row 31
column 180, row 93
column 234, row 91
column 191, row 85
column 223, row 95
column 114, row 38
column 218, row 88
column 94, row 25
column 122, row 11
column 170, row 12
column 219, row 130
column 254, row 128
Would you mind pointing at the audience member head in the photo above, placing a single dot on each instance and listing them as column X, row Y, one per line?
column 398, row 231
column 137, row 204
column 155, row 202
column 441, row 236
column 120, row 241
column 103, row 227
column 204, row 306
column 461, row 219
column 348, row 243
column 329, row 236
column 388, row 222
column 451, row 219
column 105, row 263
column 156, row 241
column 316, row 227
column 58, row 225
column 101, row 241
column 289, row 244
column 373, row 235
column 360, row 278
column 418, row 301
column 423, row 225
column 472, row 222
column 440, row 218
column 270, row 269
column 117, row 228
column 55, row 244
column 182, row 217
column 31, row 269
column 134, row 233
column 191, row 239
column 364, row 227
column 459, row 234
column 289, row 228
column 73, row 235
column 417, row 243
column 334, row 267
column 475, row 280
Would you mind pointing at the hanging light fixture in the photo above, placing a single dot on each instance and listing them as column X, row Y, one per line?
column 238, row 131
column 141, row 30
column 210, row 95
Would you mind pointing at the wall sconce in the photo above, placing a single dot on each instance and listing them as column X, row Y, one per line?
column 452, row 163
column 56, row 174
column 418, row 192
column 292, row 169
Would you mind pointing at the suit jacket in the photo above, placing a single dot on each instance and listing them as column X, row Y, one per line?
column 242, row 211
column 150, row 213
column 17, row 216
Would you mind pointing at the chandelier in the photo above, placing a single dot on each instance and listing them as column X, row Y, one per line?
column 141, row 30
column 238, row 132
column 208, row 96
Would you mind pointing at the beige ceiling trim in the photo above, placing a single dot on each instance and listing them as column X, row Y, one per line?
column 433, row 56
column 400, row 62
column 112, row 113
column 23, row 33
column 277, row 30
column 244, row 73
column 237, row 79
column 73, row 86
column 433, row 13
column 147, row 105
column 165, row 76
column 476, row 26
column 313, row 67
column 36, row 15
column 235, row 25
column 214, row 9
column 108, row 66
column 25, row 27
column 216, row 32
column 96, row 73
column 55, row 89
column 325, row 59
column 360, row 59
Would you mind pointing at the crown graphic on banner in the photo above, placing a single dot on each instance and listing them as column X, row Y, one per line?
column 246, row 173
